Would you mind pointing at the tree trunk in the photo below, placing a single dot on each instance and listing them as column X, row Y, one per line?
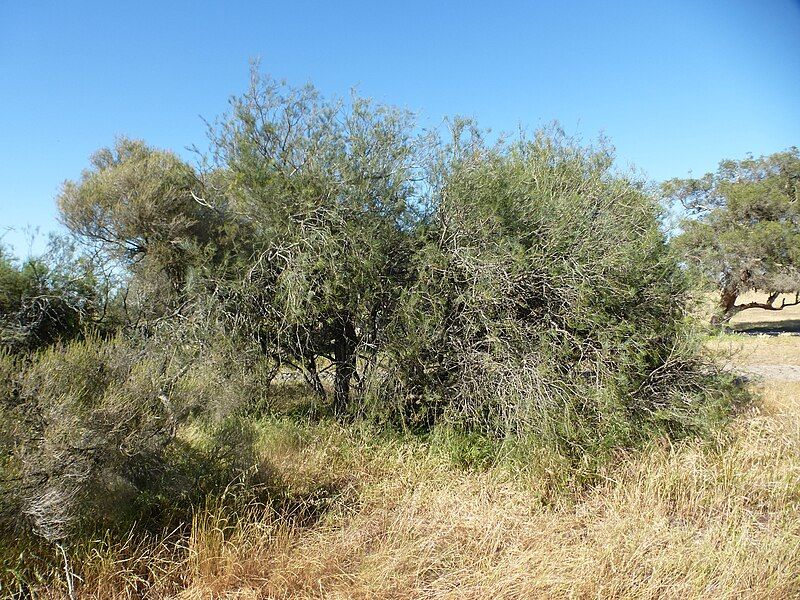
column 311, row 375
column 344, row 354
column 727, row 307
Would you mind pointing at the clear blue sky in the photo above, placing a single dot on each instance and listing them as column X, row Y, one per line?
column 675, row 85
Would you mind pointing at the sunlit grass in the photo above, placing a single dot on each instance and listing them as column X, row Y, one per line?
column 361, row 514
column 697, row 520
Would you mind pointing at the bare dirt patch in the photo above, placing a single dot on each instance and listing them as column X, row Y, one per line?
column 771, row 372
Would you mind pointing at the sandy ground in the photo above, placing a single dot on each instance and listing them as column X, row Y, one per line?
column 771, row 372
column 774, row 322
column 765, row 344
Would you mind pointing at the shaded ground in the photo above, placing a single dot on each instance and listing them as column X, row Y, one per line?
column 786, row 327
column 767, row 322
column 765, row 344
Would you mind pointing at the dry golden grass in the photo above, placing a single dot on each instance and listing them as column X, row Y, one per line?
column 740, row 350
column 394, row 518
column 691, row 521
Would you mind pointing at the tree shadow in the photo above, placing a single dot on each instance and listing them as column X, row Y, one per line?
column 787, row 326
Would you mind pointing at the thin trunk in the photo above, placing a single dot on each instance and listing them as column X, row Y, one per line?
column 311, row 375
column 344, row 354
column 727, row 307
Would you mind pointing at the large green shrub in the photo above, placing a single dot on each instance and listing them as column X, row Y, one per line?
column 324, row 188
column 518, row 288
column 545, row 303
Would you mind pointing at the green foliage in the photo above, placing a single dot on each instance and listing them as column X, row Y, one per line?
column 42, row 301
column 510, row 298
column 94, row 434
column 544, row 301
column 142, row 210
column 744, row 233
column 470, row 450
column 510, row 288
column 326, row 190
column 134, row 201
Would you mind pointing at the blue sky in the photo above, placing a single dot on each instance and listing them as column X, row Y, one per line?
column 676, row 86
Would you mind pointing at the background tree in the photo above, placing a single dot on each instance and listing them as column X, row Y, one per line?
column 743, row 229
column 139, row 208
column 48, row 298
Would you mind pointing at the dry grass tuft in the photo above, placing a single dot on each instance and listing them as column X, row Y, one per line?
column 394, row 518
column 674, row 522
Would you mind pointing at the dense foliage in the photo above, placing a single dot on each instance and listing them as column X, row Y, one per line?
column 544, row 300
column 743, row 230
column 46, row 299
column 513, row 290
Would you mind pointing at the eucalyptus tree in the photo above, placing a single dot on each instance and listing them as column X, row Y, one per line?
column 743, row 229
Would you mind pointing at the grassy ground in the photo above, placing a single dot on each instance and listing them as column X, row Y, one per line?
column 756, row 319
column 763, row 343
column 367, row 516
column 360, row 514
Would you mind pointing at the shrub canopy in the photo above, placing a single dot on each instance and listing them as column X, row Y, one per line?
column 544, row 300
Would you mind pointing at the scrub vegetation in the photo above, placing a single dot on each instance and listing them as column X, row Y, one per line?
column 339, row 356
